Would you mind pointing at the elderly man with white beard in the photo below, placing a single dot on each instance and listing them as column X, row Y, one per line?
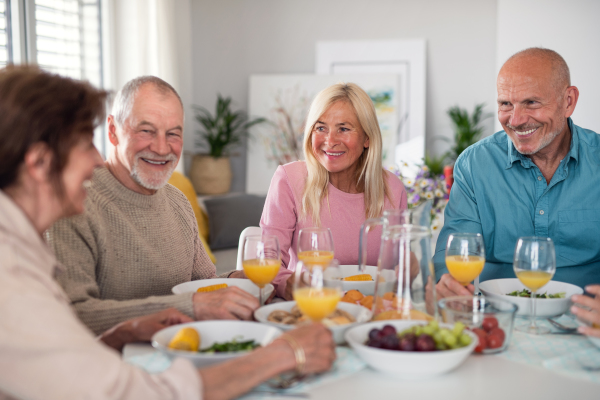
column 138, row 236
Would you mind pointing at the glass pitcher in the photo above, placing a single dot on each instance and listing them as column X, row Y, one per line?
column 419, row 216
column 404, row 269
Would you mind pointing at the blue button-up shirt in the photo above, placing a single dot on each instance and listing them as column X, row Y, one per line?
column 502, row 194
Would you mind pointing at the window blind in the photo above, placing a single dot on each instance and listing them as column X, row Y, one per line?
column 5, row 56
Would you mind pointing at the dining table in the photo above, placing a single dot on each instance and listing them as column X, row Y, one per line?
column 551, row 366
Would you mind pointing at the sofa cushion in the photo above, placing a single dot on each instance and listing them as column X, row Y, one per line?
column 229, row 215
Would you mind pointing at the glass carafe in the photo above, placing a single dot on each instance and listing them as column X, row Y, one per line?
column 404, row 269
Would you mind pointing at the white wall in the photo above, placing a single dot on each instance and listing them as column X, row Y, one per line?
column 232, row 39
column 570, row 28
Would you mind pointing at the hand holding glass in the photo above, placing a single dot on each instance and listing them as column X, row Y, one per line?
column 465, row 256
column 534, row 264
column 261, row 260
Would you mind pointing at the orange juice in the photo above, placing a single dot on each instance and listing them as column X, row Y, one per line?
column 534, row 280
column 316, row 304
column 261, row 272
column 465, row 269
column 315, row 257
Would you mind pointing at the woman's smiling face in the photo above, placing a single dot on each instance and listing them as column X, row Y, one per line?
column 338, row 140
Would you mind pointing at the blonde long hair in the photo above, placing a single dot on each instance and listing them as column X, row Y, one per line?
column 369, row 170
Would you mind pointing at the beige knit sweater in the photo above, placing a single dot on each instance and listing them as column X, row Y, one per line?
column 126, row 252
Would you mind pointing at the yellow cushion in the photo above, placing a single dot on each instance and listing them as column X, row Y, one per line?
column 182, row 183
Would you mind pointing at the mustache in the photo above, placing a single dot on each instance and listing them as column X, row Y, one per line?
column 524, row 127
column 155, row 157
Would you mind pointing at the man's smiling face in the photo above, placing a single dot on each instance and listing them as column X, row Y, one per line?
column 531, row 104
column 149, row 143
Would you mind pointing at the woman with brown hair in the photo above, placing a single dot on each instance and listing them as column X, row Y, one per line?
column 47, row 157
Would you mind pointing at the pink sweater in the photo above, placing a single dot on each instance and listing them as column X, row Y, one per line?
column 344, row 216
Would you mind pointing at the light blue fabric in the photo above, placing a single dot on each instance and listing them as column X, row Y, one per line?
column 501, row 194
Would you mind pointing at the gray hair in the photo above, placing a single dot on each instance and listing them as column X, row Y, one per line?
column 123, row 102
column 562, row 75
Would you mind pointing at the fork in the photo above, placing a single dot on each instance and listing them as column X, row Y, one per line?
column 562, row 327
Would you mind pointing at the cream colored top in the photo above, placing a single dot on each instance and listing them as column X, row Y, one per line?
column 45, row 351
column 126, row 252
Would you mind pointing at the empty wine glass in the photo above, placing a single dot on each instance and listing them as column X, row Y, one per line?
column 534, row 264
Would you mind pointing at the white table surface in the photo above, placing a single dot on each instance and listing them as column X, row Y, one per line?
column 482, row 377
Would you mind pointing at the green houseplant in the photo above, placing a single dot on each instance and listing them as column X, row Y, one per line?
column 211, row 172
column 467, row 131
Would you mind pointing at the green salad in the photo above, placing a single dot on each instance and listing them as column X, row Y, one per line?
column 233, row 345
column 545, row 295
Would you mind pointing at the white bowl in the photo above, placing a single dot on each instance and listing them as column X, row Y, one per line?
column 244, row 284
column 360, row 313
column 545, row 308
column 365, row 287
column 406, row 364
column 212, row 332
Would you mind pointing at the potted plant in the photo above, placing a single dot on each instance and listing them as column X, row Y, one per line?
column 467, row 131
column 211, row 173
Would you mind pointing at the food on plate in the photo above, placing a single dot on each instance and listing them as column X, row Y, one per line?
column 212, row 288
column 428, row 337
column 295, row 317
column 352, row 296
column 545, row 295
column 490, row 335
column 356, row 297
column 231, row 346
column 187, row 339
column 395, row 314
column 359, row 277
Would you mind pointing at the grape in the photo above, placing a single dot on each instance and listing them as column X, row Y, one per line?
column 464, row 340
column 373, row 334
column 390, row 342
column 388, row 330
column 425, row 343
column 458, row 328
column 450, row 340
column 428, row 330
column 406, row 344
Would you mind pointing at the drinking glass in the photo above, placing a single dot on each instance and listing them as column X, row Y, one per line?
column 261, row 260
column 318, row 289
column 465, row 256
column 315, row 247
column 534, row 265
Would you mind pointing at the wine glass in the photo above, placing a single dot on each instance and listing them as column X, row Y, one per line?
column 465, row 256
column 534, row 265
column 318, row 289
column 315, row 247
column 261, row 260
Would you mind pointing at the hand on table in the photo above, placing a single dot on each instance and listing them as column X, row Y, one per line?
column 593, row 315
column 448, row 286
column 228, row 303
column 318, row 345
column 142, row 328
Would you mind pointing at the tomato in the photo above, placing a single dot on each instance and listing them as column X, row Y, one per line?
column 493, row 342
column 482, row 340
column 489, row 323
column 499, row 333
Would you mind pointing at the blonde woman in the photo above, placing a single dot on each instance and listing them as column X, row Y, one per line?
column 341, row 183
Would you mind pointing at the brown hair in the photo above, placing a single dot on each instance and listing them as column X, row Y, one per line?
column 37, row 106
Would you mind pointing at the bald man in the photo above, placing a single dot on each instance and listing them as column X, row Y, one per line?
column 537, row 177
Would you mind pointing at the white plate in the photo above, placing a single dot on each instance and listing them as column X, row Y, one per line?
column 406, row 364
column 244, row 284
column 365, row 287
column 360, row 313
column 497, row 288
column 212, row 332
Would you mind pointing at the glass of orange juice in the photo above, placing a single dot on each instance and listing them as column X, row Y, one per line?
column 534, row 264
column 318, row 289
column 465, row 256
column 261, row 260
column 315, row 247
